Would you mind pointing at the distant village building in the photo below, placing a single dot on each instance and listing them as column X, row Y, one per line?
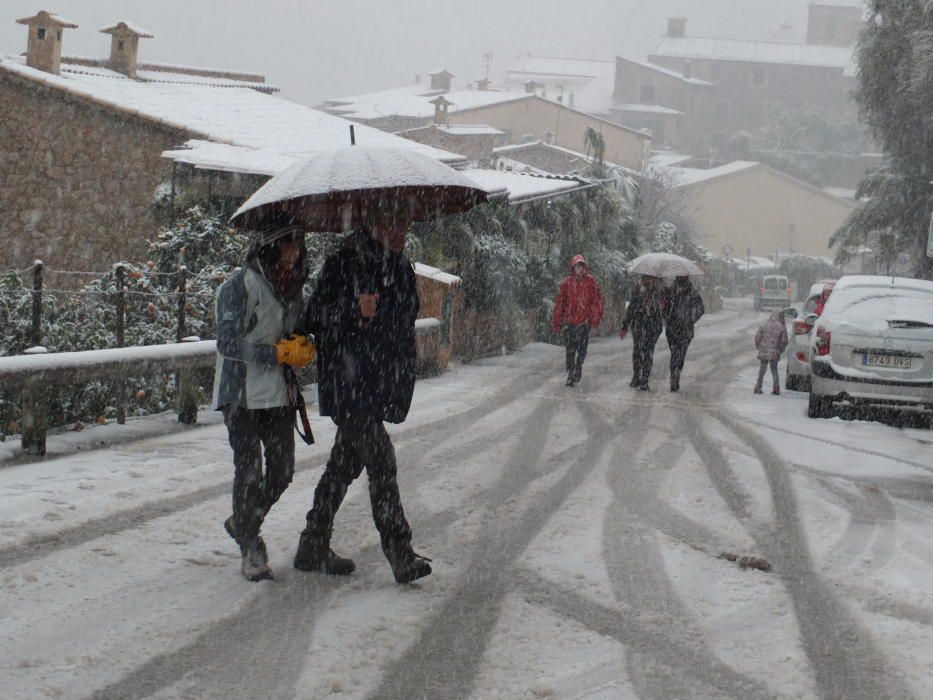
column 753, row 208
column 705, row 95
column 82, row 143
column 523, row 114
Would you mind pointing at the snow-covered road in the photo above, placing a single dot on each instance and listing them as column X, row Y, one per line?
column 577, row 535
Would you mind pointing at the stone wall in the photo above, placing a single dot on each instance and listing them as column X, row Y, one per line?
column 77, row 180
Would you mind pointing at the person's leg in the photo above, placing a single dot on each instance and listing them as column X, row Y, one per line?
column 678, row 347
column 775, row 377
column 636, row 359
column 344, row 465
column 648, row 357
column 570, row 343
column 277, row 432
column 583, row 343
column 763, row 365
column 378, row 453
column 244, row 524
column 243, row 431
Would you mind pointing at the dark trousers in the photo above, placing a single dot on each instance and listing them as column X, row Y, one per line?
column 254, row 432
column 578, row 340
column 643, row 343
column 773, row 364
column 678, row 348
column 361, row 442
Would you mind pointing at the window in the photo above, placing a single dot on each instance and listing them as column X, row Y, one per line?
column 59, row 34
column 646, row 94
column 120, row 44
column 40, row 33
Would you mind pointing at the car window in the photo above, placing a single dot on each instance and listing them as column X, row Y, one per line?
column 775, row 283
column 880, row 304
column 810, row 304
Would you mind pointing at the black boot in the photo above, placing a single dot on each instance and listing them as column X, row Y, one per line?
column 406, row 565
column 316, row 555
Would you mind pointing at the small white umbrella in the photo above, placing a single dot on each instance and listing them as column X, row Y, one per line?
column 332, row 191
column 664, row 265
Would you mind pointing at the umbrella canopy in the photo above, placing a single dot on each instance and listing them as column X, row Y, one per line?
column 664, row 265
column 337, row 190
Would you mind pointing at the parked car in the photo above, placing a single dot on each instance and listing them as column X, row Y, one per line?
column 873, row 346
column 797, row 377
column 774, row 292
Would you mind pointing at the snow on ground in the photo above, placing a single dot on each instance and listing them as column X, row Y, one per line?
column 643, row 551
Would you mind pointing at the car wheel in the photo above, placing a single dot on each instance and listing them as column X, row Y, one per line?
column 791, row 381
column 819, row 406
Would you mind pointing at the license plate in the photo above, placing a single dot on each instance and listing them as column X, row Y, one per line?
column 870, row 359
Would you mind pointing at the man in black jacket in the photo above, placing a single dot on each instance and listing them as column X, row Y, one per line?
column 362, row 314
column 683, row 307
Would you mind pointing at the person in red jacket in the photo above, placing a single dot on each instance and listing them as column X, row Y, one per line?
column 579, row 305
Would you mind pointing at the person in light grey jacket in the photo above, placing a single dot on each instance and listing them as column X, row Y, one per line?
column 257, row 312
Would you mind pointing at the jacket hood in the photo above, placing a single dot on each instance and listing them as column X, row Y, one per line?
column 578, row 259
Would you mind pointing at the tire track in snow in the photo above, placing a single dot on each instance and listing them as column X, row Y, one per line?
column 638, row 575
column 845, row 661
column 696, row 674
column 445, row 660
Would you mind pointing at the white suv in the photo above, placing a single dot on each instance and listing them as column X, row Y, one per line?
column 873, row 345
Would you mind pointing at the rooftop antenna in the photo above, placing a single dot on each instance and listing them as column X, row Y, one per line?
column 352, row 135
column 487, row 59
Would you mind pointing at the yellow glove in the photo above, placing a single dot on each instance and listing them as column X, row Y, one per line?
column 296, row 351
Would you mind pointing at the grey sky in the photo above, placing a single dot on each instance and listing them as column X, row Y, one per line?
column 315, row 49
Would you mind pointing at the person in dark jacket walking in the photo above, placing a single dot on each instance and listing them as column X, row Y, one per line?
column 579, row 306
column 257, row 310
column 682, row 307
column 643, row 318
column 771, row 341
column 362, row 314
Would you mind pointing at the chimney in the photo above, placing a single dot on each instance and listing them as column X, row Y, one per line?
column 440, row 80
column 688, row 69
column 677, row 27
column 44, row 50
column 530, row 87
column 124, row 47
column 483, row 84
column 441, row 104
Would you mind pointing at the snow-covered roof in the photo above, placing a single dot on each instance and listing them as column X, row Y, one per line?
column 646, row 109
column 666, row 158
column 207, row 155
column 590, row 81
column 683, row 177
column 162, row 73
column 224, row 115
column 667, row 72
column 437, row 275
column 521, row 186
column 126, row 26
column 54, row 18
column 469, row 130
column 758, row 52
column 414, row 101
